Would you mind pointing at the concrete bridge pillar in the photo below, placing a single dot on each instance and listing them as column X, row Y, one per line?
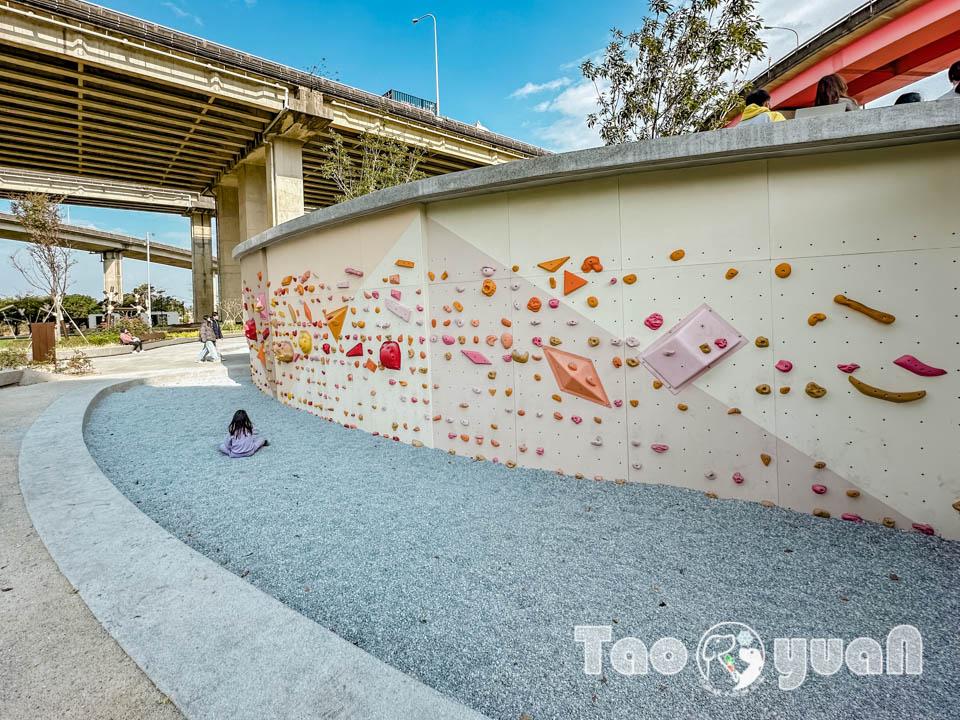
column 113, row 277
column 201, row 249
column 228, row 237
column 284, row 171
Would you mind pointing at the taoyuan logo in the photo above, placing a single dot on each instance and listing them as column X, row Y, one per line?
column 734, row 654
column 731, row 656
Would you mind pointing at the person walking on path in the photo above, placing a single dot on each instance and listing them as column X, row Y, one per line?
column 215, row 319
column 209, row 339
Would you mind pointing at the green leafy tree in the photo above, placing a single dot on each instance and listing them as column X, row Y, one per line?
column 49, row 257
column 374, row 163
column 683, row 71
column 80, row 306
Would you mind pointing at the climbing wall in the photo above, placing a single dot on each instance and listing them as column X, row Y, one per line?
column 745, row 330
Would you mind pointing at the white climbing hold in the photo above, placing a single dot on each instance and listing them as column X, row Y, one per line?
column 597, row 441
column 632, row 341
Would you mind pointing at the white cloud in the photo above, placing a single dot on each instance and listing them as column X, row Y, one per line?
column 531, row 88
column 182, row 13
column 569, row 131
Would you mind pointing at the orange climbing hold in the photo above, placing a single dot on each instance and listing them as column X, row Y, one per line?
column 677, row 255
column 572, row 282
column 404, row 263
column 592, row 301
column 732, row 273
column 489, row 287
column 583, row 382
column 335, row 321
column 552, row 265
column 783, row 270
column 534, row 304
column 630, row 279
column 591, row 263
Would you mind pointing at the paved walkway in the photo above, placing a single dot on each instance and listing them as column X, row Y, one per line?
column 56, row 660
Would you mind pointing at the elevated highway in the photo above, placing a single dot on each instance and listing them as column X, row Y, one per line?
column 155, row 119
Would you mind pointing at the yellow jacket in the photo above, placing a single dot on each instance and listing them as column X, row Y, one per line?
column 753, row 110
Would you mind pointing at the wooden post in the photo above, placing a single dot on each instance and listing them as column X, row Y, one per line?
column 44, row 341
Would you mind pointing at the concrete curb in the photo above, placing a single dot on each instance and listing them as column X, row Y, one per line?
column 216, row 645
column 10, row 377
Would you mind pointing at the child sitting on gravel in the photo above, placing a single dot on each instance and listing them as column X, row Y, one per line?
column 244, row 439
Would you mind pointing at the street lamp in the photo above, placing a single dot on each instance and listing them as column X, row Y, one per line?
column 436, row 61
column 777, row 27
column 149, row 307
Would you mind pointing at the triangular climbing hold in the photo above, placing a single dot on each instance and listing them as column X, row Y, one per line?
column 355, row 351
column 572, row 282
column 335, row 321
column 553, row 265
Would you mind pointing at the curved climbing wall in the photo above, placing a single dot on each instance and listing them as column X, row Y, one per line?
column 783, row 331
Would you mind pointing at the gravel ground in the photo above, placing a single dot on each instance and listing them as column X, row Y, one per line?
column 471, row 576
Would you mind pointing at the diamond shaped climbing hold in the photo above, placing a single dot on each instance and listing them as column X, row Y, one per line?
column 477, row 358
column 553, row 265
column 576, row 375
column 572, row 282
column 335, row 321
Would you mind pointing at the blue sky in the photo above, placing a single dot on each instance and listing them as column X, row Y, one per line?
column 510, row 65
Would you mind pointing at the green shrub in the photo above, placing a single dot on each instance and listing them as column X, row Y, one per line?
column 13, row 357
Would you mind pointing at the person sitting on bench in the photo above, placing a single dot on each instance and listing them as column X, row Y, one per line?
column 128, row 338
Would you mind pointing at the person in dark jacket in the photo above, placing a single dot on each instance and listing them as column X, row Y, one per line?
column 215, row 319
column 209, row 339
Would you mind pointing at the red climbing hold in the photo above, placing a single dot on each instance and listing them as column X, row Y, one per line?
column 390, row 355
column 326, row 348
column 250, row 329
column 355, row 351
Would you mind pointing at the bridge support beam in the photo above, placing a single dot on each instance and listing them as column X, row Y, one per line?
column 113, row 277
column 201, row 249
column 228, row 237
column 284, row 173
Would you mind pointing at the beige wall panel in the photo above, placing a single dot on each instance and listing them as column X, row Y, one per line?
column 714, row 214
column 576, row 219
column 865, row 201
column 482, row 222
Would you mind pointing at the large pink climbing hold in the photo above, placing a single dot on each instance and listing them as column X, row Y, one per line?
column 784, row 366
column 390, row 355
column 923, row 528
column 909, row 362
column 819, row 489
column 477, row 358
column 659, row 448
column 848, row 367
column 737, row 478
column 654, row 321
column 448, row 339
column 852, row 517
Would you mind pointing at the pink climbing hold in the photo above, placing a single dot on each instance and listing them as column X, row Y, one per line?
column 390, row 355
column 720, row 343
column 848, row 367
column 784, row 366
column 539, row 451
column 737, row 478
column 654, row 322
column 618, row 403
column 452, row 436
column 538, row 341
column 909, row 362
column 819, row 489
column 852, row 517
column 507, row 358
column 477, row 358
column 554, row 303
column 396, row 294
column 659, row 448
column 376, row 294
column 576, row 419
column 352, row 271
column 448, row 339
column 923, row 528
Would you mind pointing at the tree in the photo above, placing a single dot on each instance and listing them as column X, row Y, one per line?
column 50, row 258
column 231, row 311
column 682, row 72
column 383, row 163
column 80, row 306
column 159, row 300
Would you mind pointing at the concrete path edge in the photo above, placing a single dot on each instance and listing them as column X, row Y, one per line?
column 213, row 643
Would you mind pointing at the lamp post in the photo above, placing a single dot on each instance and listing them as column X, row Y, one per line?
column 149, row 306
column 777, row 27
column 436, row 60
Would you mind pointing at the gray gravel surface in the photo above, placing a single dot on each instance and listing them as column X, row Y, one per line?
column 471, row 576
